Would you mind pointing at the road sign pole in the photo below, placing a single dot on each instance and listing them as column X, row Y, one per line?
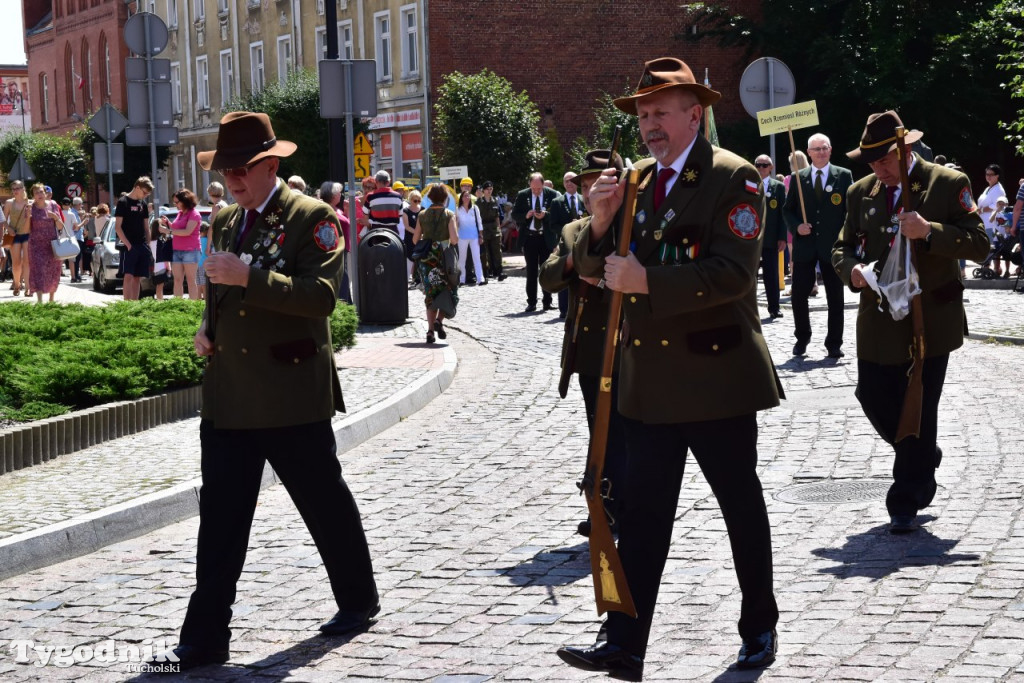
column 152, row 116
column 771, row 105
column 110, row 160
column 353, row 254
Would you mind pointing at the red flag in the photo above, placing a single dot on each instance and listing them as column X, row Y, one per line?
column 81, row 81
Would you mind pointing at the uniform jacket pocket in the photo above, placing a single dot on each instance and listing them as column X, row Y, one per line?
column 294, row 351
column 714, row 341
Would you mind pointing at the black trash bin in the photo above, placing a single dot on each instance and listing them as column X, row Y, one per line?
column 383, row 279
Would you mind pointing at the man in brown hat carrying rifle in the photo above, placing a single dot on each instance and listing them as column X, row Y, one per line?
column 943, row 226
column 694, row 367
column 270, row 387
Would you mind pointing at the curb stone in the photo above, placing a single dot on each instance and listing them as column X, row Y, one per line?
column 89, row 532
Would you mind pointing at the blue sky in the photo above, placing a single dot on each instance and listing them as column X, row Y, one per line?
column 12, row 39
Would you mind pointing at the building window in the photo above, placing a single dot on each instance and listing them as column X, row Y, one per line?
column 172, row 13
column 151, row 6
column 222, row 6
column 345, row 39
column 106, row 65
column 71, row 7
column 410, row 40
column 87, row 71
column 284, row 58
column 178, row 166
column 321, row 42
column 227, row 77
column 199, row 10
column 382, row 31
column 44, row 88
column 70, row 78
column 320, row 7
column 202, row 83
column 256, row 69
column 176, row 87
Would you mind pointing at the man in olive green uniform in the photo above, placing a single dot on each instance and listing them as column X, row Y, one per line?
column 774, row 240
column 489, row 219
column 824, row 195
column 270, row 387
column 694, row 366
column 944, row 226
column 583, row 344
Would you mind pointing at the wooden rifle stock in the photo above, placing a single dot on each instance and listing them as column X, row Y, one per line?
column 570, row 351
column 910, row 414
column 611, row 591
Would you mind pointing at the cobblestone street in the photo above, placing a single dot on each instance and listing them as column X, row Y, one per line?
column 470, row 507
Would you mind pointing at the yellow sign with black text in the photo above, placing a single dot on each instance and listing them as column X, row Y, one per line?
column 781, row 119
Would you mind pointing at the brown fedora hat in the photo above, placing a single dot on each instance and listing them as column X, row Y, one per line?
column 879, row 137
column 597, row 161
column 663, row 73
column 244, row 137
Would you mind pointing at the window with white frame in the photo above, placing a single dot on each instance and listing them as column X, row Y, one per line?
column 382, row 32
column 345, row 39
column 176, row 87
column 227, row 76
column 199, row 9
column 149, row 6
column 222, row 6
column 202, row 83
column 256, row 69
column 44, row 87
column 178, row 166
column 320, row 7
column 172, row 13
column 410, row 41
column 321, row 42
column 106, row 64
column 284, row 58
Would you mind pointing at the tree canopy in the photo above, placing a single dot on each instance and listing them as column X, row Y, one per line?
column 56, row 160
column 483, row 123
column 934, row 61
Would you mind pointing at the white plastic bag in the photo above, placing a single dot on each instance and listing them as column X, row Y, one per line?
column 899, row 281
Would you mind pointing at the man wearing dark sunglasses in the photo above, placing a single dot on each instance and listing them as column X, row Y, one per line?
column 270, row 387
column 774, row 232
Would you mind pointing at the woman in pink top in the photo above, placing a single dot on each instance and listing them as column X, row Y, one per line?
column 185, row 231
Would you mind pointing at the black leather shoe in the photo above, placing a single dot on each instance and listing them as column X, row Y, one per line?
column 549, row 307
column 758, row 651
column 439, row 328
column 530, row 308
column 776, row 315
column 902, row 524
column 186, row 657
column 835, row 353
column 604, row 657
column 347, row 621
column 501, row 277
column 583, row 528
column 800, row 348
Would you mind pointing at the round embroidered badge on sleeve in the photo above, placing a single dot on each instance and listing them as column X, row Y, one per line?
column 744, row 222
column 966, row 200
column 326, row 236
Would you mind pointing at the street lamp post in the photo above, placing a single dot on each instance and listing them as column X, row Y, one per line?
column 21, row 102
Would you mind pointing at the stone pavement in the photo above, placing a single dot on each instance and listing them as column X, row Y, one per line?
column 470, row 508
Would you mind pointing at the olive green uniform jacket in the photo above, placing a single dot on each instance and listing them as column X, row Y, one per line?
column 942, row 197
column 594, row 318
column 826, row 215
column 488, row 215
column 273, row 362
column 692, row 349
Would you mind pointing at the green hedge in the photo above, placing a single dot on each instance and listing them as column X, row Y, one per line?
column 55, row 358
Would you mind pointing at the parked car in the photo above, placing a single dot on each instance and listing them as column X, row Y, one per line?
column 108, row 251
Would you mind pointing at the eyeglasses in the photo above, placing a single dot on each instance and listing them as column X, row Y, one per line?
column 823, row 148
column 763, row 165
column 241, row 171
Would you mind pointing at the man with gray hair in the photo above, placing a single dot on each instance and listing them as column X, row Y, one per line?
column 815, row 226
column 383, row 206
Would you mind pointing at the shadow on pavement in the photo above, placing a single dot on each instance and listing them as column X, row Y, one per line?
column 802, row 364
column 876, row 553
column 734, row 675
column 277, row 666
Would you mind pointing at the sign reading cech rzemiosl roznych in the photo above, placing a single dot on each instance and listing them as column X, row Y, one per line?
column 791, row 117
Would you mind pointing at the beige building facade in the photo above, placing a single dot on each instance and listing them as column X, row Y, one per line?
column 221, row 49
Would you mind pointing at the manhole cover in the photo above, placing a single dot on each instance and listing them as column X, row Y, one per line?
column 831, row 491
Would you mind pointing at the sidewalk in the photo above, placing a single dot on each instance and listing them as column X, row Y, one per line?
column 124, row 487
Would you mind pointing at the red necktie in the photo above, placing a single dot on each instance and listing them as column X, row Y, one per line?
column 664, row 175
column 250, row 219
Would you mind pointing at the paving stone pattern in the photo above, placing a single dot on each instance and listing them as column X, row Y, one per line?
column 470, row 508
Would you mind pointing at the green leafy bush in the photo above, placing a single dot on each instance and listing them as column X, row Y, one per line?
column 344, row 322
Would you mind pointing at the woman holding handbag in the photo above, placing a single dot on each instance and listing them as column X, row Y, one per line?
column 46, row 226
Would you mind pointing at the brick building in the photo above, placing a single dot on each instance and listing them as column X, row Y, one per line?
column 75, row 59
column 574, row 52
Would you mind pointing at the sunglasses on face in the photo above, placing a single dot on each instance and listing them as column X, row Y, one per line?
column 241, row 171
column 823, row 148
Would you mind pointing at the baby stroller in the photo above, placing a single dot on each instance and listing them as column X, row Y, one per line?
column 1002, row 248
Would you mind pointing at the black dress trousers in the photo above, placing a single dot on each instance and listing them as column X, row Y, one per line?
column 536, row 251
column 305, row 459
column 803, row 282
column 726, row 451
column 770, row 274
column 880, row 390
